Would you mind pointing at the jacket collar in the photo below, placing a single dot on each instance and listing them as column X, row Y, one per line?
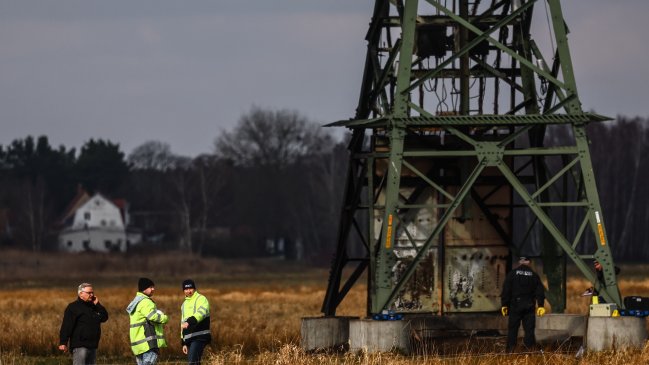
column 130, row 309
column 193, row 295
column 83, row 302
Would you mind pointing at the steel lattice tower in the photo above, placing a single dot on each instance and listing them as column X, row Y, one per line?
column 468, row 147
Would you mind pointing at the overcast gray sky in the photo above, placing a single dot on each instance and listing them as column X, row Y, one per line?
column 180, row 71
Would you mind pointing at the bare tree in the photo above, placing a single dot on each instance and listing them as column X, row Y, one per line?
column 285, row 176
column 188, row 187
column 271, row 138
column 180, row 183
column 152, row 155
column 209, row 182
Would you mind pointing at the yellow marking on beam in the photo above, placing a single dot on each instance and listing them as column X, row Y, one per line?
column 600, row 229
column 388, row 234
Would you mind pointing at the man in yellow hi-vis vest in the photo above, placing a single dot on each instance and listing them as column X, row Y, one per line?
column 147, row 332
column 195, row 323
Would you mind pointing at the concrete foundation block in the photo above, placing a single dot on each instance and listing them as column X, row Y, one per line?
column 557, row 327
column 324, row 333
column 379, row 336
column 615, row 333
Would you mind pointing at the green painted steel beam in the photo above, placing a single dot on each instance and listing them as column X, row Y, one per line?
column 596, row 219
column 556, row 176
column 404, row 69
column 430, row 182
column 561, row 37
column 382, row 79
column 521, row 152
column 385, row 258
column 443, row 20
column 473, row 120
column 547, row 151
column 420, row 206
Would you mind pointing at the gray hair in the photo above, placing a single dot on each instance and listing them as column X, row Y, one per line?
column 83, row 286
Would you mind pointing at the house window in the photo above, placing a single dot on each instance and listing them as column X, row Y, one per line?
column 69, row 243
column 103, row 222
column 86, row 216
column 108, row 243
column 86, row 245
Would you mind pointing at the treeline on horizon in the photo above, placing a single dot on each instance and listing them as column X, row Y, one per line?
column 275, row 177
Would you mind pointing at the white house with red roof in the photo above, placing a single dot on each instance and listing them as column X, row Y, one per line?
column 95, row 223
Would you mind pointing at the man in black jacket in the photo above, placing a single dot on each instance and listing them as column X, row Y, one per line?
column 81, row 326
column 522, row 290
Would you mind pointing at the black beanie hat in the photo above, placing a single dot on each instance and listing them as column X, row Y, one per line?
column 144, row 283
column 189, row 284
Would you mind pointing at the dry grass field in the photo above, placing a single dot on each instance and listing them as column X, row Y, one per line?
column 256, row 309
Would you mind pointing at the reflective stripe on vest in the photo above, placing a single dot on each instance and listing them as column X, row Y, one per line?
column 193, row 334
column 138, row 324
column 202, row 310
column 147, row 339
column 154, row 313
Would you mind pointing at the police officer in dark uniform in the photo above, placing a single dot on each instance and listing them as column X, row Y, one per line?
column 522, row 291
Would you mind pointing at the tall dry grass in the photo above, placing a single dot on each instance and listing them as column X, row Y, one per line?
column 256, row 309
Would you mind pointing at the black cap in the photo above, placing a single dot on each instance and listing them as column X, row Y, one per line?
column 189, row 284
column 144, row 283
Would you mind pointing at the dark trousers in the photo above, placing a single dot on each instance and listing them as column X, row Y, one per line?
column 516, row 316
column 195, row 351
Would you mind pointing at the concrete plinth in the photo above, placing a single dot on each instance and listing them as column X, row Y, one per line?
column 615, row 333
column 559, row 327
column 324, row 333
column 379, row 336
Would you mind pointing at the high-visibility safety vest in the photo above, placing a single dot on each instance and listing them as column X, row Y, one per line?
column 195, row 310
column 146, row 323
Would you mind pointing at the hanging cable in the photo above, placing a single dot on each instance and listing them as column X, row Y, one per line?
column 428, row 84
column 547, row 18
